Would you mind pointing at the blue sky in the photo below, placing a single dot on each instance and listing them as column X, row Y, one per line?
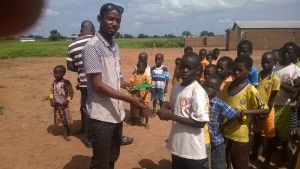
column 159, row 17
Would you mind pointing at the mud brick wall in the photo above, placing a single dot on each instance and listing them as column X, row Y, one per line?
column 204, row 41
column 232, row 40
column 194, row 41
column 216, row 41
column 269, row 40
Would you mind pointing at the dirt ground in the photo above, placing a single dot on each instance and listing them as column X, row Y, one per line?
column 29, row 138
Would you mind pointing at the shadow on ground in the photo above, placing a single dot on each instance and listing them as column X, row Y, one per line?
column 56, row 130
column 78, row 162
column 149, row 164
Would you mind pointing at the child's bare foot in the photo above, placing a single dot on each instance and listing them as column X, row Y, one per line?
column 147, row 126
column 66, row 137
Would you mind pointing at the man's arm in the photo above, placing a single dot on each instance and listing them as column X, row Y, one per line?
column 271, row 99
column 99, row 86
column 71, row 66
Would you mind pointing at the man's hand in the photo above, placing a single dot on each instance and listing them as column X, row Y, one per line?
column 165, row 114
column 138, row 102
column 296, row 82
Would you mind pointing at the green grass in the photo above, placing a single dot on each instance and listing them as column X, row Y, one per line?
column 46, row 48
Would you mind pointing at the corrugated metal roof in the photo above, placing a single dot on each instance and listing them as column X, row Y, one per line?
column 267, row 24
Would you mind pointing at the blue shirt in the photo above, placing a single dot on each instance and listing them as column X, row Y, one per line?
column 159, row 77
column 252, row 77
column 218, row 109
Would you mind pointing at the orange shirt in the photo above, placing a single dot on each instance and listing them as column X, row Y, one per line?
column 204, row 63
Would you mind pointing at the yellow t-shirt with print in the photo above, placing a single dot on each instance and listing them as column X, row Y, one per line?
column 247, row 98
column 267, row 85
column 206, row 134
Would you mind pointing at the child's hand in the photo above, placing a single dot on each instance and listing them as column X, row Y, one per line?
column 221, row 129
column 241, row 117
column 52, row 104
column 77, row 87
column 164, row 114
column 166, row 90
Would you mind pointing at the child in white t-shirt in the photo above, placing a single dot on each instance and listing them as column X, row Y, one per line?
column 189, row 105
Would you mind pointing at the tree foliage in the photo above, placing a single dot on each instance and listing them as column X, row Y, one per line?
column 141, row 35
column 206, row 33
column 118, row 35
column 54, row 35
column 128, row 36
column 186, row 33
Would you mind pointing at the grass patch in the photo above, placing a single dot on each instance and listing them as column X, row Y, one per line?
column 46, row 98
column 46, row 48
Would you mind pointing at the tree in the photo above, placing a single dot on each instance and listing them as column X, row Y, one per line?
column 118, row 35
column 54, row 35
column 128, row 36
column 143, row 36
column 186, row 33
column 206, row 33
column 169, row 36
column 30, row 36
column 39, row 37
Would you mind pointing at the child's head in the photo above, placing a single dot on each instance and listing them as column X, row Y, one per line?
column 216, row 53
column 177, row 61
column 288, row 53
column 277, row 53
column 244, row 48
column 188, row 49
column 159, row 59
column 202, row 53
column 268, row 61
column 59, row 71
column 224, row 67
column 189, row 67
column 210, row 70
column 143, row 57
column 212, row 85
column 241, row 68
column 141, row 67
column 209, row 58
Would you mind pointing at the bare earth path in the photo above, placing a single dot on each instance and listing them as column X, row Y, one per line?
column 30, row 140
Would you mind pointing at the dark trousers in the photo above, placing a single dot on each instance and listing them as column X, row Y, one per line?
column 238, row 153
column 183, row 163
column 84, row 113
column 83, row 109
column 106, row 142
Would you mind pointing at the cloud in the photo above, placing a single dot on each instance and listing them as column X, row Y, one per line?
column 49, row 12
column 160, row 11
column 227, row 20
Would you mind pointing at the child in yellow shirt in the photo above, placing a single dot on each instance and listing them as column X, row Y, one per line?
column 243, row 96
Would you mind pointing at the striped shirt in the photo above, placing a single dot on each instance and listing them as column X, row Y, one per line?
column 218, row 109
column 159, row 76
column 75, row 55
column 100, row 57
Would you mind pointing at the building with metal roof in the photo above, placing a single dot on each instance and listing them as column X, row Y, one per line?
column 263, row 34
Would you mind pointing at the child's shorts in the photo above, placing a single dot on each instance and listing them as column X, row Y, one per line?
column 267, row 125
column 158, row 96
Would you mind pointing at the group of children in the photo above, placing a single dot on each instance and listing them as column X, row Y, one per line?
column 216, row 99
column 239, row 104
